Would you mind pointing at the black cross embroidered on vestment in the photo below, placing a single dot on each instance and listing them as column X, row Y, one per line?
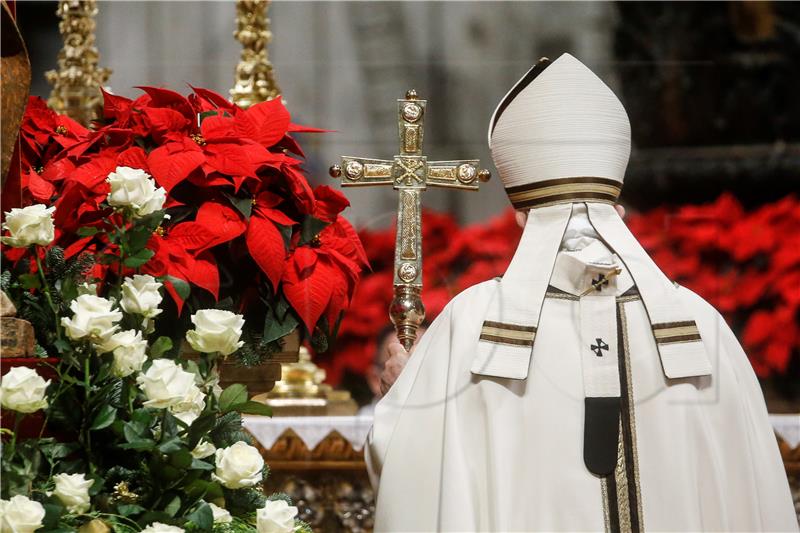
column 599, row 347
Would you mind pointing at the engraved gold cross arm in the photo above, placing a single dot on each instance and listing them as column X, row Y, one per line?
column 409, row 173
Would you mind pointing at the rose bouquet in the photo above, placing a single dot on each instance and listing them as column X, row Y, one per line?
column 145, row 440
column 179, row 221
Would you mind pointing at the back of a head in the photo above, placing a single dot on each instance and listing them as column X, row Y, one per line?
column 562, row 124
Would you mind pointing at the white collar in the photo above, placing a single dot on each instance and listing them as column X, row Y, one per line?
column 575, row 271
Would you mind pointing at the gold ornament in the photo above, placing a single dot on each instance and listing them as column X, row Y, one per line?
column 410, row 173
column 77, row 81
column 255, row 79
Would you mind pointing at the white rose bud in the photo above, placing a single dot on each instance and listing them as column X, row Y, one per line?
column 134, row 188
column 216, row 330
column 20, row 514
column 130, row 352
column 94, row 318
column 203, row 449
column 165, row 384
column 238, row 466
column 221, row 516
column 190, row 406
column 276, row 516
column 141, row 296
column 29, row 225
column 158, row 527
column 73, row 491
column 23, row 390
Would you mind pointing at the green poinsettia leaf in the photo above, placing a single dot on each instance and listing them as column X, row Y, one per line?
column 181, row 286
column 140, row 258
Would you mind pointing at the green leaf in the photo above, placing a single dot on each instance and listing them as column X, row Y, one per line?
column 138, row 239
column 181, row 287
column 310, row 228
column 199, row 464
column 30, row 281
column 104, row 418
column 233, row 395
column 170, row 446
column 129, row 509
column 275, row 329
column 161, row 346
column 244, row 205
column 87, row 231
column 141, row 445
column 200, row 428
column 173, row 506
column 202, row 517
column 140, row 258
column 253, row 408
column 62, row 346
column 182, row 459
column 169, row 426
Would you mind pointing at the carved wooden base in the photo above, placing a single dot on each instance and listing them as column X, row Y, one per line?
column 16, row 337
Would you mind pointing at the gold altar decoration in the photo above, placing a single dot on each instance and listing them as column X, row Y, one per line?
column 410, row 173
column 77, row 80
column 329, row 484
column 300, row 392
column 16, row 84
column 255, row 77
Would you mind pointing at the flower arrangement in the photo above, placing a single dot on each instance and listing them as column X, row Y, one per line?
column 177, row 221
column 746, row 263
column 244, row 231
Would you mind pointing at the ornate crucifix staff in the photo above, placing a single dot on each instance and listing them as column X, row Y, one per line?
column 410, row 173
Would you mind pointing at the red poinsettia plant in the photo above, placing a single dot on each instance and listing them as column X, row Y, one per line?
column 241, row 229
column 745, row 263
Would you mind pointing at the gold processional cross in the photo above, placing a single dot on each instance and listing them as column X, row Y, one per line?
column 410, row 173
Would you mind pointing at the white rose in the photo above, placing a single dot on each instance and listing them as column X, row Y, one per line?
column 191, row 405
column 87, row 288
column 158, row 527
column 216, row 330
column 134, row 188
column 130, row 352
column 203, row 449
column 165, row 384
column 221, row 516
column 73, row 491
column 23, row 390
column 238, row 466
column 93, row 318
column 20, row 514
column 140, row 295
column 276, row 516
column 29, row 225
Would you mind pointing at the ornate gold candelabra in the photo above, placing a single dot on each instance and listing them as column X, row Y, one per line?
column 77, row 80
column 255, row 79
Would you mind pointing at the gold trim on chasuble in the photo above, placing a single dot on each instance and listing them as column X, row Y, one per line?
column 564, row 190
column 622, row 502
column 502, row 333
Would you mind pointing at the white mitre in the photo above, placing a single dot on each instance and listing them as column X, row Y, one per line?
column 560, row 140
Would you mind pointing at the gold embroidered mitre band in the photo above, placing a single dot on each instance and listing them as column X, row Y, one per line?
column 564, row 190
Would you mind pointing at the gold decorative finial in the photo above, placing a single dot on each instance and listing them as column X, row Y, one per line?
column 335, row 171
column 411, row 94
column 77, row 81
column 255, row 77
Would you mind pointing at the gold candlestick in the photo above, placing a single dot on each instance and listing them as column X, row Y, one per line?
column 77, row 81
column 255, row 77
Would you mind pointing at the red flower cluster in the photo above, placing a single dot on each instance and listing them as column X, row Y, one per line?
column 236, row 194
column 747, row 264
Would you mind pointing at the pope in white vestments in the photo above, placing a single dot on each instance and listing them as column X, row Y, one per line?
column 582, row 391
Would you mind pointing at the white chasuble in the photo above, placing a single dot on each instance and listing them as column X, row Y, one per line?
column 583, row 391
column 456, row 451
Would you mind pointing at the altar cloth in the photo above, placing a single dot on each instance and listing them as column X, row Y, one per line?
column 311, row 429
